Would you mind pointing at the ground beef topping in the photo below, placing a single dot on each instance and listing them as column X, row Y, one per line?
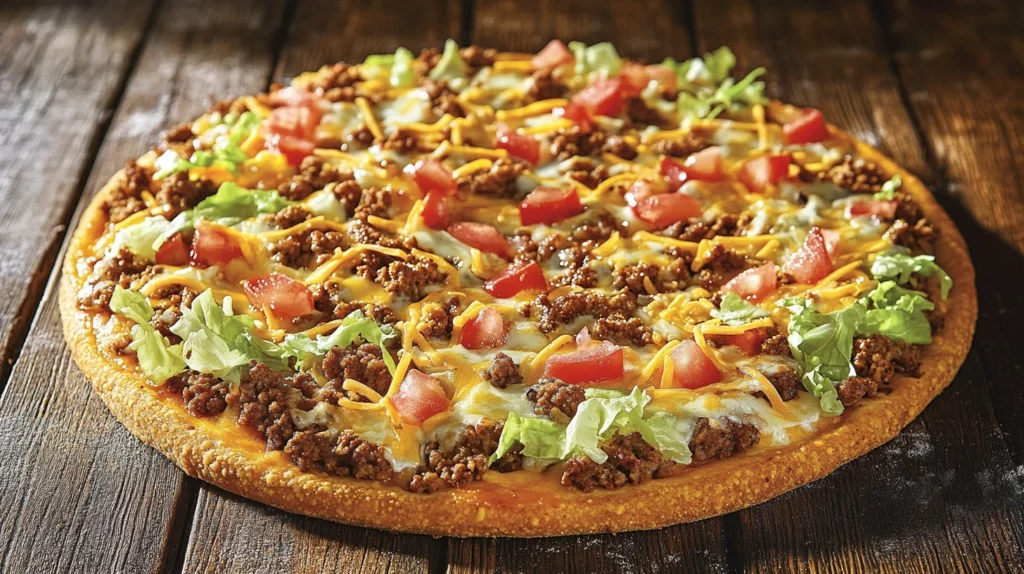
column 336, row 82
column 364, row 364
column 721, row 438
column 681, row 146
column 118, row 269
column 466, row 461
column 498, row 181
column 437, row 320
column 543, row 86
column 613, row 314
column 204, row 395
column 503, row 372
column 443, row 99
column 179, row 193
column 308, row 249
column 775, row 343
column 126, row 199
column 919, row 237
column 328, row 298
column 265, row 398
column 786, row 381
column 573, row 141
column 718, row 264
column 555, row 399
column 876, row 359
column 291, row 216
column 694, row 230
column 314, row 174
column 630, row 461
column 338, row 453
column 407, row 278
column 855, row 174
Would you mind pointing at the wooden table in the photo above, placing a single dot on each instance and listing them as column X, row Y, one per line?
column 938, row 85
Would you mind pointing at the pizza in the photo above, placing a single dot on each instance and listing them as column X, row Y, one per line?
column 469, row 292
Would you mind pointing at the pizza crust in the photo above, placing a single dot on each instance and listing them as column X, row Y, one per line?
column 523, row 504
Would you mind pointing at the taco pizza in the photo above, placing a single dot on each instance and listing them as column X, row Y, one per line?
column 481, row 293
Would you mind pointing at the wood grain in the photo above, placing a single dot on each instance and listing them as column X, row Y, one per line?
column 234, row 535
column 869, row 514
column 964, row 83
column 78, row 492
column 63, row 68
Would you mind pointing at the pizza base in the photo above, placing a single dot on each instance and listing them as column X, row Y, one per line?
column 524, row 504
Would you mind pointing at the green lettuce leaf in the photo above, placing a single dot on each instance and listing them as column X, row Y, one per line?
column 402, row 73
column 158, row 359
column 131, row 304
column 146, row 236
column 823, row 343
column 353, row 327
column 225, row 153
column 706, row 88
column 600, row 59
column 734, row 310
column 603, row 414
column 899, row 267
column 451, row 65
column 897, row 313
column 232, row 204
column 378, row 66
column 889, row 188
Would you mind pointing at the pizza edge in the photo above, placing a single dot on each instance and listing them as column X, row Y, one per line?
column 197, row 447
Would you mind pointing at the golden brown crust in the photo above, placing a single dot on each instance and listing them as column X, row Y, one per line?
column 521, row 504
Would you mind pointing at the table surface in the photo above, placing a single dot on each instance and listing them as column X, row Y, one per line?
column 936, row 84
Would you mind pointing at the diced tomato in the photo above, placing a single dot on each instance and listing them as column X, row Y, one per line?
column 484, row 237
column 808, row 127
column 634, row 79
column 602, row 97
column 292, row 148
column 518, row 145
column 811, row 263
column 286, row 297
column 832, row 238
column 758, row 174
column 705, row 165
column 173, row 251
column 549, row 205
column 673, row 172
column 212, row 245
column 877, row 208
column 419, row 397
column 692, row 369
column 294, row 97
column 749, row 342
column 754, row 284
column 665, row 209
column 298, row 122
column 664, row 75
column 597, row 362
column 432, row 175
column 553, row 55
column 521, row 276
column 485, row 331
column 577, row 113
column 435, row 210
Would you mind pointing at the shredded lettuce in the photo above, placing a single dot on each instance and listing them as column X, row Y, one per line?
column 603, row 414
column 225, row 153
column 451, row 65
column 706, row 88
column 889, row 188
column 158, row 359
column 897, row 313
column 353, row 327
column 823, row 344
column 899, row 267
column 131, row 304
column 601, row 59
column 734, row 310
column 144, row 237
column 402, row 73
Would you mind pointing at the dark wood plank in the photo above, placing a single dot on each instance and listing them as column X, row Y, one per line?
column 63, row 67
column 919, row 502
column 964, row 83
column 77, row 492
column 649, row 31
column 234, row 535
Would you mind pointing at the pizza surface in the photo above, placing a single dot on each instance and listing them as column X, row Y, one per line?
column 481, row 293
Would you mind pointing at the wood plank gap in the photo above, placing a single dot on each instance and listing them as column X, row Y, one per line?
column 47, row 267
column 182, row 517
column 466, row 23
column 280, row 38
